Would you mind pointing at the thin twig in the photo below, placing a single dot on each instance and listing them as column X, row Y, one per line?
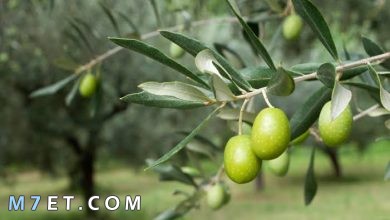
column 365, row 112
column 379, row 58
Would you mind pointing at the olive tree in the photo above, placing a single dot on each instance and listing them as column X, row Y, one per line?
column 222, row 85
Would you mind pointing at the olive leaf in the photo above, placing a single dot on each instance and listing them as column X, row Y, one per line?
column 65, row 63
column 305, row 116
column 148, row 99
column 204, row 62
column 383, row 93
column 255, row 41
column 232, row 56
column 326, row 73
column 110, row 17
column 221, row 90
column 155, row 54
column 340, row 99
column 72, row 94
column 176, row 89
column 51, row 89
column 194, row 47
column 373, row 49
column 310, row 180
column 171, row 172
column 234, row 114
column 281, row 83
column 184, row 142
column 372, row 90
column 317, row 23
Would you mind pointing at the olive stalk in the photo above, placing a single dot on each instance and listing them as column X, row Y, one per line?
column 265, row 96
column 241, row 114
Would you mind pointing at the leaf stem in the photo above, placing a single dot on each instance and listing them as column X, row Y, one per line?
column 264, row 92
column 241, row 114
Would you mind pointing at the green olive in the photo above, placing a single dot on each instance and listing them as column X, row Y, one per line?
column 241, row 164
column 88, row 85
column 292, row 27
column 176, row 51
column 301, row 138
column 270, row 133
column 334, row 132
column 279, row 166
column 216, row 196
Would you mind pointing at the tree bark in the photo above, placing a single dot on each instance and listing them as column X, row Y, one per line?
column 87, row 162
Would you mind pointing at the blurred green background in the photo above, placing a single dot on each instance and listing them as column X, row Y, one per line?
column 49, row 148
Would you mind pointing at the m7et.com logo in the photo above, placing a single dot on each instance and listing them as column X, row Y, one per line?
column 111, row 203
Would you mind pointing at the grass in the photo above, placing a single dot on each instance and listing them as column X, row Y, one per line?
column 360, row 194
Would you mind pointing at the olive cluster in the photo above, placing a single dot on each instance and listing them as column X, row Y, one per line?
column 270, row 138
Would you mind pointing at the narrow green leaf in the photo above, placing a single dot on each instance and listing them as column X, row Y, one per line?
column 232, row 56
column 260, row 49
column 184, row 142
column 281, row 83
column 221, row 90
column 306, row 68
column 310, row 180
column 171, row 172
column 373, row 49
column 305, row 116
column 156, row 12
column 317, row 23
column 254, row 26
column 231, row 114
column 194, row 47
column 82, row 35
column 383, row 93
column 153, row 53
column 326, row 74
column 176, row 89
column 199, row 147
column 65, row 63
column 51, row 89
column 111, row 17
column 129, row 21
column 372, row 90
column 204, row 62
column 340, row 99
column 387, row 172
column 148, row 99
column 73, row 92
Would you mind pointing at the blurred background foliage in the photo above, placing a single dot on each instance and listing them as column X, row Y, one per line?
column 42, row 41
